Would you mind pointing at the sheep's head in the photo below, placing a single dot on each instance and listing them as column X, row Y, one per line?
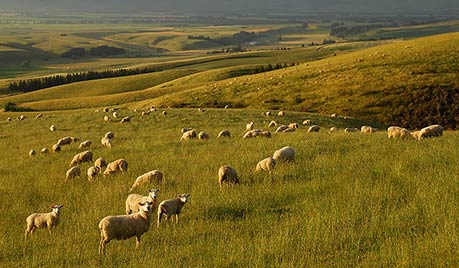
column 146, row 206
column 153, row 193
column 184, row 197
column 56, row 208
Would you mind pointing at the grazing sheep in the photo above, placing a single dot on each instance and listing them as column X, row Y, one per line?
column 107, row 118
column 202, row 110
column 280, row 113
column 185, row 129
column 368, row 129
column 427, row 132
column 285, row 154
column 224, row 133
column 106, row 142
column 281, row 128
column 38, row 116
column 190, row 134
column 43, row 220
column 106, row 110
column 307, row 122
column 145, row 113
column 203, row 136
column 272, row 124
column 133, row 200
column 350, row 129
column 100, row 162
column 119, row 165
column 126, row 119
column 152, row 109
column 172, row 207
column 52, row 128
column 44, row 150
column 249, row 126
column 8, row 119
column 21, row 117
column 334, row 115
column 164, row 113
column 67, row 140
column 73, row 172
column 293, row 125
column 147, row 178
column 226, row 107
column 313, row 128
column 115, row 114
column 109, row 135
column 289, row 130
column 85, row 156
column 227, row 174
column 398, row 132
column 266, row 164
column 32, row 152
column 85, row 144
column 92, row 172
column 333, row 129
column 121, row 227
column 256, row 133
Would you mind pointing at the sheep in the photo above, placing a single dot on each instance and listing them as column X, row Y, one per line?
column 67, row 140
column 107, row 118
column 106, row 142
column 397, row 132
column 109, row 135
column 8, row 119
column 32, row 152
column 73, row 172
column 289, row 130
column 43, row 220
column 100, row 162
column 350, row 129
column 227, row 174
column 224, row 133
column 85, row 144
column 106, row 110
column 203, row 136
column 152, row 109
column 185, row 129
column 125, row 119
column 149, row 177
column 115, row 114
column 267, row 164
column 427, row 132
column 202, row 110
column 256, row 133
column 85, row 156
column 38, row 116
column 164, row 113
column 44, row 150
column 334, row 115
column 119, row 165
column 145, row 113
column 313, row 128
column 133, row 200
column 368, row 129
column 272, row 124
column 249, row 126
column 307, row 122
column 280, row 113
column 52, row 128
column 190, row 134
column 172, row 207
column 293, row 125
column 92, row 172
column 281, row 128
column 285, row 154
column 121, row 227
column 333, row 129
column 21, row 117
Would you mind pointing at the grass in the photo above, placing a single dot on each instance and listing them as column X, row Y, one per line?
column 348, row 200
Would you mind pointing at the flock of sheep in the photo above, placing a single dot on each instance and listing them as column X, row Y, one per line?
column 140, row 208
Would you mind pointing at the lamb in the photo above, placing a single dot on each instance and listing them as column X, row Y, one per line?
column 190, row 134
column 119, row 165
column 106, row 142
column 115, row 114
column 227, row 174
column 149, row 177
column 109, row 135
column 281, row 128
column 398, row 132
column 43, row 220
column 73, row 172
column 52, row 128
column 172, row 207
column 85, row 144
column 224, row 133
column 123, row 227
column 133, row 200
column 368, row 129
column 334, row 115
column 126, row 119
column 100, row 162
column 266, row 164
column 106, row 110
column 427, row 132
column 249, row 126
column 313, row 128
column 285, row 154
column 92, row 172
column 203, row 136
column 85, row 156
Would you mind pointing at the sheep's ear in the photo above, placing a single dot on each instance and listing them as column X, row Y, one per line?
column 142, row 203
column 52, row 206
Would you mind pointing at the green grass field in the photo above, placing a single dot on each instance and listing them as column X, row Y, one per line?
column 349, row 200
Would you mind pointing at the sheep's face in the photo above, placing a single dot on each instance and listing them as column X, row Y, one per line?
column 57, row 208
column 146, row 206
column 154, row 193
column 184, row 197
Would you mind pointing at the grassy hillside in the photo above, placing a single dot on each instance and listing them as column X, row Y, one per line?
column 348, row 200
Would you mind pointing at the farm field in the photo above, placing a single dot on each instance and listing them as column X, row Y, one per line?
column 348, row 200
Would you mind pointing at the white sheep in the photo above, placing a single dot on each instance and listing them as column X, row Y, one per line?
column 106, row 110
column 155, row 176
column 397, row 132
column 121, row 227
column 85, row 144
column 185, row 129
column 106, row 142
column 256, row 133
column 100, row 162
column 92, row 172
column 119, row 165
column 249, row 126
column 266, row 164
column 73, row 172
column 313, row 128
column 281, row 128
column 85, row 156
column 67, row 140
column 334, row 115
column 350, row 129
column 52, row 128
column 110, row 135
column 272, row 123
column 32, row 152
column 285, row 154
column 293, row 125
column 44, row 150
column 172, row 207
column 43, row 220
column 8, row 119
column 368, row 129
column 107, row 118
column 307, row 122
column 133, row 200
column 203, row 136
column 126, row 119
column 38, row 116
column 224, row 133
column 190, row 134
column 333, row 129
column 280, row 113
column 427, row 132
column 227, row 174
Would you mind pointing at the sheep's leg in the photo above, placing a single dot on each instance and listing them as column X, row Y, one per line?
column 176, row 218
column 102, row 244
column 160, row 214
column 137, row 240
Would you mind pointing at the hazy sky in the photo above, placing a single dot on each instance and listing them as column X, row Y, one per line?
column 231, row 6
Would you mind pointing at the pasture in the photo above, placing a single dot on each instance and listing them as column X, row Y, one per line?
column 349, row 200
